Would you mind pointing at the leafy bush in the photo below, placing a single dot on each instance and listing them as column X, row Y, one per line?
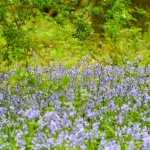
column 19, row 26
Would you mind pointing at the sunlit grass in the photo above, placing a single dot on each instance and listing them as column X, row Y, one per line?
column 51, row 42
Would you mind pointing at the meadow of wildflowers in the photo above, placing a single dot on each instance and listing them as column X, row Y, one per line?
column 89, row 107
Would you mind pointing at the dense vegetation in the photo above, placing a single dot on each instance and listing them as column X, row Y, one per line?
column 77, row 108
column 57, row 30
column 74, row 74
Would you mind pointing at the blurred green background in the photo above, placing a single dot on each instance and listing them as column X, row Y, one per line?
column 37, row 33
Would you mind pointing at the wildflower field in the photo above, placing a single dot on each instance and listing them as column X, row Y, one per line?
column 75, row 75
column 90, row 107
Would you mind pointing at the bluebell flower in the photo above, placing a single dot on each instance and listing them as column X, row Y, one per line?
column 112, row 146
column 96, row 126
column 29, row 69
column 1, row 97
column 119, row 119
column 19, row 135
column 21, row 143
column 129, row 131
column 146, row 144
column 148, row 69
column 31, row 114
column 83, row 147
column 131, row 145
column 133, row 92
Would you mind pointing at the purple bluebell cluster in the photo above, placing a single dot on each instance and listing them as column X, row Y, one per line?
column 85, row 107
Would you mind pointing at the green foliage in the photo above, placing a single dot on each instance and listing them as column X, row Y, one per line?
column 19, row 24
column 14, row 16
